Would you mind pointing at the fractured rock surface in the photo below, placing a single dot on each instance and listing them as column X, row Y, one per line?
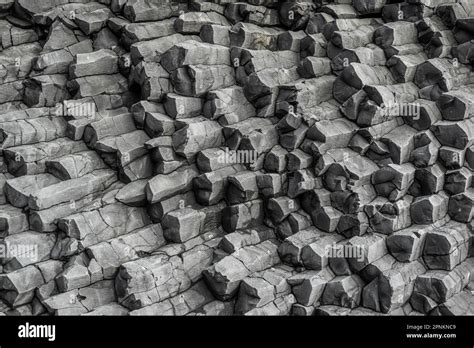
column 210, row 157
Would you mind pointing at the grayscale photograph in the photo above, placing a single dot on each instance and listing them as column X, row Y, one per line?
column 236, row 158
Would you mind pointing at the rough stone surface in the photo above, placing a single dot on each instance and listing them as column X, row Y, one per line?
column 214, row 157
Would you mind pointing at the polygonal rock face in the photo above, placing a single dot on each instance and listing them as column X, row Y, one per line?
column 258, row 157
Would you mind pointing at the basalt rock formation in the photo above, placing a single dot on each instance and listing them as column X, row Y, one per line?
column 259, row 157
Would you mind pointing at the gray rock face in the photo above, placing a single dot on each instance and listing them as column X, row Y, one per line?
column 257, row 157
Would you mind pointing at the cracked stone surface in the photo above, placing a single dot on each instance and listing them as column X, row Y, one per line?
column 260, row 157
